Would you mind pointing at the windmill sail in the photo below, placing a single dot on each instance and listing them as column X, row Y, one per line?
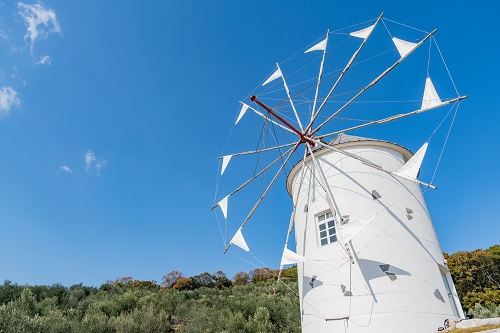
column 431, row 98
column 412, row 167
column 289, row 257
column 321, row 46
column 363, row 33
column 239, row 241
column 273, row 77
column 403, row 46
column 350, row 230
column 244, row 109
column 365, row 248
column 225, row 162
column 223, row 206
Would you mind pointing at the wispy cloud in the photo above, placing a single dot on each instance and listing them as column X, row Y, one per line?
column 65, row 169
column 8, row 99
column 39, row 20
column 92, row 164
column 89, row 160
column 45, row 60
column 99, row 165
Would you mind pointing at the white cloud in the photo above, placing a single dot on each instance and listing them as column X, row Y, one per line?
column 99, row 165
column 89, row 160
column 65, row 168
column 38, row 21
column 92, row 164
column 8, row 99
column 45, row 60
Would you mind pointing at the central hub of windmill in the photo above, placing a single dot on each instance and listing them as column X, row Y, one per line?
column 302, row 135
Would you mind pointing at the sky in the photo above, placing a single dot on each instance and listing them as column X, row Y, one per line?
column 113, row 114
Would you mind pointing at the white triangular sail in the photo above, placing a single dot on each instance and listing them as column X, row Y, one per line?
column 244, row 109
column 350, row 230
column 239, row 241
column 411, row 168
column 289, row 257
column 223, row 206
column 431, row 97
column 363, row 33
column 403, row 46
column 321, row 46
column 225, row 162
column 273, row 77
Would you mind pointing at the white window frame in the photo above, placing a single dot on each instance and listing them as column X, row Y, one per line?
column 326, row 230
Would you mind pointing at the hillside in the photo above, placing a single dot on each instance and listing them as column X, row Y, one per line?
column 250, row 302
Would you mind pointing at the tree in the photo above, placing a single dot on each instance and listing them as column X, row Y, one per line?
column 185, row 284
column 263, row 275
column 204, row 280
column 220, row 280
column 476, row 275
column 241, row 278
column 170, row 279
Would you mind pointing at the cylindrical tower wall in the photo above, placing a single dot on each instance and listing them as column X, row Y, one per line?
column 397, row 278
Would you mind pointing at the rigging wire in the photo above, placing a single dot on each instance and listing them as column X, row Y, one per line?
column 404, row 25
column 445, row 141
column 444, row 62
column 272, row 130
column 383, row 22
column 429, row 58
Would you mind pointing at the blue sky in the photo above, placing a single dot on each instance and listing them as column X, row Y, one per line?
column 113, row 115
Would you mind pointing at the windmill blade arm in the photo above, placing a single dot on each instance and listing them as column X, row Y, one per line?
column 268, row 119
column 285, row 85
column 371, row 164
column 295, row 202
column 320, row 74
column 392, row 118
column 346, row 68
column 258, row 174
column 371, row 84
column 270, row 184
column 265, row 192
column 260, row 150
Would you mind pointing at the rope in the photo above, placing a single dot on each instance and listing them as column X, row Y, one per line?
column 445, row 142
column 404, row 25
column 429, row 59
column 220, row 228
column 444, row 62
column 383, row 22
column 351, row 26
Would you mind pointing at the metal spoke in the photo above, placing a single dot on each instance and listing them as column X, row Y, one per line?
column 290, row 98
column 257, row 175
column 295, row 202
column 384, row 73
column 392, row 118
column 371, row 164
column 342, row 75
column 267, row 190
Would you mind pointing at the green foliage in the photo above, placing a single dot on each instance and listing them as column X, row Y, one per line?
column 212, row 304
column 487, row 310
column 476, row 275
column 253, row 302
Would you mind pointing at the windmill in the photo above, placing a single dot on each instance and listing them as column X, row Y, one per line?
column 367, row 254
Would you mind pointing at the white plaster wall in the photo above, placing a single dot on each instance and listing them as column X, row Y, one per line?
column 410, row 247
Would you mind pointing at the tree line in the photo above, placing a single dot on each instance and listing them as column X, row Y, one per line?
column 209, row 302
column 476, row 275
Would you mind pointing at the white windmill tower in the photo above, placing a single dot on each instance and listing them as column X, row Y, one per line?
column 367, row 254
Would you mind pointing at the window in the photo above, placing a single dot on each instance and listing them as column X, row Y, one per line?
column 326, row 229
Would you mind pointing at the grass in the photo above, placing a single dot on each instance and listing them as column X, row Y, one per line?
column 476, row 329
